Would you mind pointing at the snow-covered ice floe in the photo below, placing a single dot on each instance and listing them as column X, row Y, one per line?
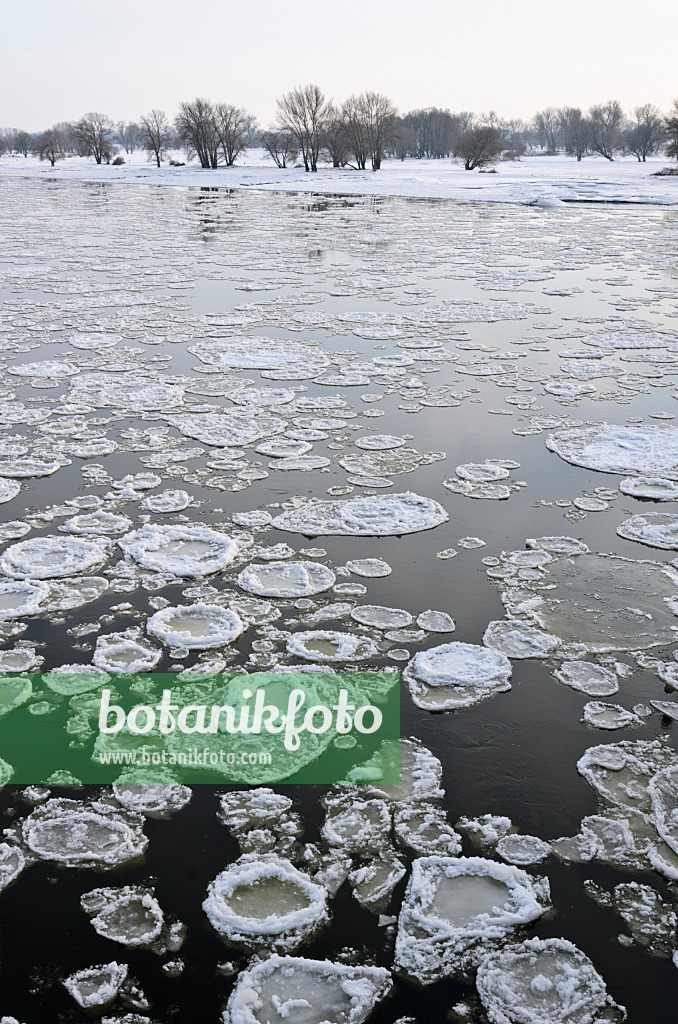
column 629, row 450
column 42, row 558
column 197, row 626
column 93, row 835
column 96, row 988
column 387, row 516
column 544, row 981
column 152, row 799
column 265, row 902
column 656, row 529
column 286, row 579
column 132, row 916
column 302, row 991
column 456, row 675
column 457, row 909
column 191, row 551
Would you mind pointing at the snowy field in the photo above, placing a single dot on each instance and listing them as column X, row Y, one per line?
column 539, row 179
column 246, row 432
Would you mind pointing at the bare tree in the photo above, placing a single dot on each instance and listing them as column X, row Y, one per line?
column 95, row 134
column 128, row 135
column 576, row 131
column 303, row 113
column 645, row 134
column 50, row 145
column 356, row 136
column 155, row 134
column 434, row 130
column 478, row 144
column 197, row 131
column 671, row 129
column 379, row 117
column 606, row 121
column 335, row 138
column 405, row 142
column 281, row 146
column 547, row 125
column 233, row 126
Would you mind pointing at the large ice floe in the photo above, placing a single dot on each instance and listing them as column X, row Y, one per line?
column 257, row 353
column 325, row 645
column 302, row 991
column 96, row 988
column 84, row 835
column 286, row 579
column 387, row 516
column 132, row 916
column 457, row 909
column 456, row 675
column 152, row 799
column 656, row 529
column 544, row 981
column 195, row 626
column 181, row 550
column 43, row 558
column 264, row 902
column 629, row 450
column 229, row 428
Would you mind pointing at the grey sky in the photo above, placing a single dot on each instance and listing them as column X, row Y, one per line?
column 61, row 58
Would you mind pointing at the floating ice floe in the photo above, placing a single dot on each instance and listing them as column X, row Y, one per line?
column 43, row 558
column 633, row 450
column 663, row 790
column 97, row 523
column 456, row 909
column 286, row 579
column 257, row 353
column 652, row 488
column 656, row 529
column 375, row 516
column 21, row 597
column 379, row 442
column 436, row 622
column 306, row 992
column 152, row 799
column 523, row 850
column 456, row 675
column 325, row 645
column 96, row 988
column 125, row 653
column 28, row 467
column 167, row 501
column 181, row 550
column 265, row 902
column 230, row 428
column 8, row 490
column 132, row 916
column 83, row 835
column 651, row 921
column 373, row 883
column 517, row 640
column 422, row 829
column 197, row 626
column 15, row 690
column 369, row 567
column 12, row 863
column 380, row 617
column 544, row 981
column 588, row 677
column 600, row 715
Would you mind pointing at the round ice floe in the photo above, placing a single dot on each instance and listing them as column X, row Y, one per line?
column 379, row 442
column 481, row 472
column 496, row 492
column 27, row 467
column 456, row 675
column 81, row 835
column 541, row 981
column 647, row 450
column 286, row 579
column 587, row 677
column 21, row 597
column 386, row 516
column 167, row 501
column 228, row 428
column 181, row 550
column 523, row 850
column 265, row 902
column 608, row 716
column 283, row 448
column 654, row 488
column 15, row 690
column 195, row 626
column 95, row 988
column 568, row 389
column 327, row 645
column 47, row 368
column 306, row 991
column 381, row 617
column 118, row 653
column 455, row 909
column 369, row 567
column 656, row 529
column 152, row 799
column 257, row 353
column 130, row 915
column 8, row 490
column 69, row 680
column 96, row 523
column 436, row 622
column 517, row 640
column 558, row 545
column 262, row 396
column 43, row 558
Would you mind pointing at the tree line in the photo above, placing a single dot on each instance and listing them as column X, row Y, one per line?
column 363, row 131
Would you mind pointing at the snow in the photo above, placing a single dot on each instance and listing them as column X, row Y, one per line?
column 197, row 626
column 456, row 675
column 633, row 450
column 95, row 988
column 537, row 180
column 181, row 550
column 80, row 835
column 49, row 557
column 286, row 579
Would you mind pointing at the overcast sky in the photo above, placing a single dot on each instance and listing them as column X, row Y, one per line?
column 61, row 58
